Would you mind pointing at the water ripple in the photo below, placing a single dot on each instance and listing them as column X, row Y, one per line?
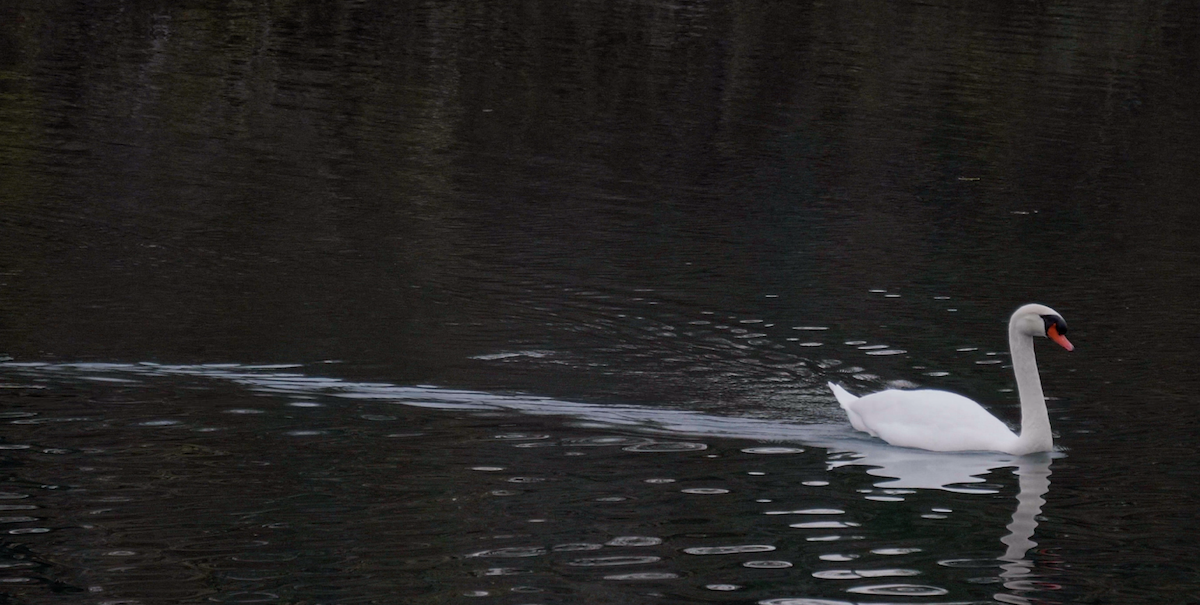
column 807, row 511
column 645, row 575
column 728, row 550
column 894, row 551
column 607, row 440
column 706, row 491
column 773, row 450
column 613, row 561
column 767, row 564
column 511, row 552
column 899, row 590
column 666, row 446
column 802, row 601
column 825, row 525
column 577, row 546
column 634, row 541
column 847, row 574
column 723, row 587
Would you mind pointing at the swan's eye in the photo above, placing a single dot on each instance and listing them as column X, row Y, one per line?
column 1055, row 323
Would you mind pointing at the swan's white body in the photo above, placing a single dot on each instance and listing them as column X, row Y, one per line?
column 946, row 422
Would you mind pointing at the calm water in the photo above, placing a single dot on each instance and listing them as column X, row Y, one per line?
column 517, row 303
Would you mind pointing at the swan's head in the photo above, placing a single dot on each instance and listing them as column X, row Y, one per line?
column 1040, row 320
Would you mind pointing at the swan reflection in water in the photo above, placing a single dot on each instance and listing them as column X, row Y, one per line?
column 907, row 468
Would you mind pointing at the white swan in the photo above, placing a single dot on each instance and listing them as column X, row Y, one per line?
column 944, row 422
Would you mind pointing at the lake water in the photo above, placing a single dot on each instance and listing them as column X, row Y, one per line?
column 535, row 303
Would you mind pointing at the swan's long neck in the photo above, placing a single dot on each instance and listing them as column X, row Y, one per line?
column 1035, row 422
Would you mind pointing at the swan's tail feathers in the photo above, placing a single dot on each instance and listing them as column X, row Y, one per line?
column 845, row 399
column 843, row 396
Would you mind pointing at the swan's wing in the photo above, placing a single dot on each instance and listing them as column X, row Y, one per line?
column 931, row 420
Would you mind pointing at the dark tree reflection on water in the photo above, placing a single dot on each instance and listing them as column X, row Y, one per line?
column 692, row 207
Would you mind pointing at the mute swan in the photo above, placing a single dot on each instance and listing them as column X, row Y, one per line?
column 945, row 422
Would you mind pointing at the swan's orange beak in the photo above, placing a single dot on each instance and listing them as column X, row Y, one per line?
column 1059, row 338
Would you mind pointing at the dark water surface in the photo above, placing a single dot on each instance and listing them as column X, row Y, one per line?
column 535, row 302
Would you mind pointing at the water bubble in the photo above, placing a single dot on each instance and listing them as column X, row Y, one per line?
column 487, row 469
column 815, row 483
column 244, row 411
column 900, row 590
column 728, row 550
column 659, row 480
column 666, row 446
column 888, row 352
